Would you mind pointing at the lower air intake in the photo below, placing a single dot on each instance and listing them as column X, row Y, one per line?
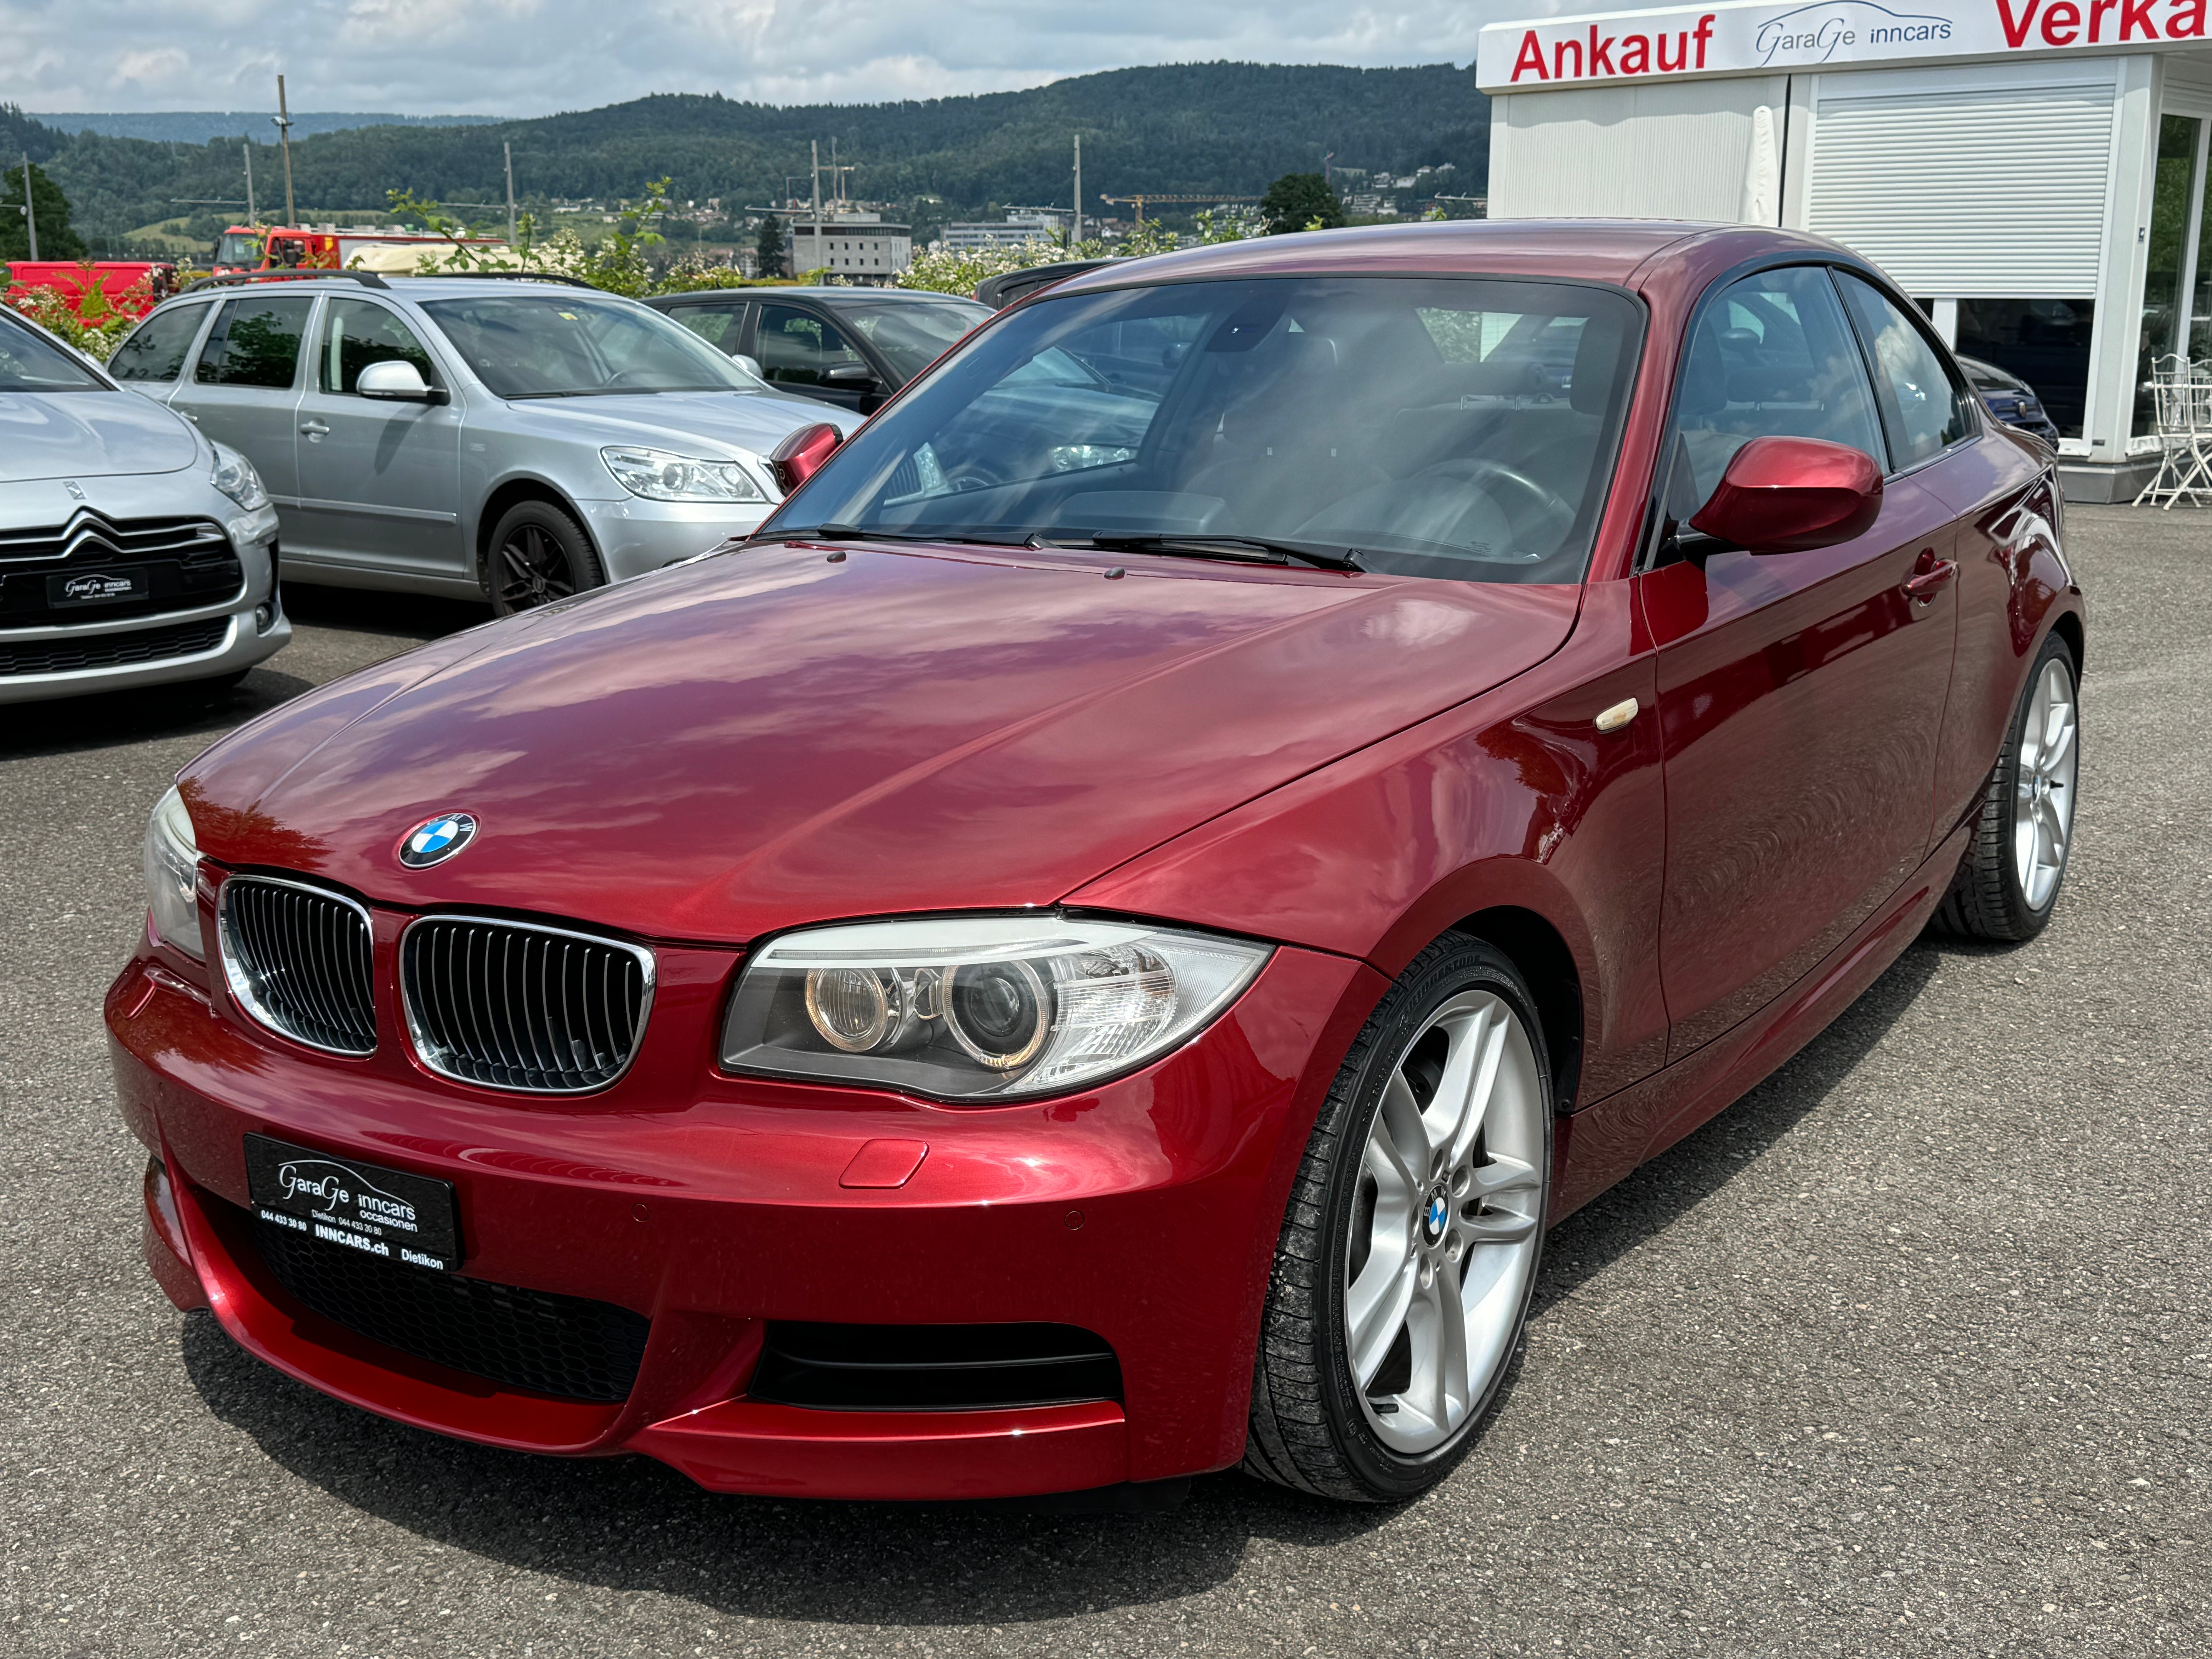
column 561, row 1345
column 888, row 1368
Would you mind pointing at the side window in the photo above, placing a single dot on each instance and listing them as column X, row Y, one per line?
column 255, row 343
column 1771, row 357
column 796, row 348
column 356, row 334
column 157, row 347
column 1924, row 409
column 719, row 324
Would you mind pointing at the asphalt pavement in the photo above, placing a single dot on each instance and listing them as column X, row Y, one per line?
column 1907, row 1353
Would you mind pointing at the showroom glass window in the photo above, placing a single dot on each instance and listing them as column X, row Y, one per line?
column 2173, row 194
column 1457, row 427
column 255, row 343
column 155, row 350
column 1772, row 356
column 1925, row 408
column 357, row 334
column 2044, row 342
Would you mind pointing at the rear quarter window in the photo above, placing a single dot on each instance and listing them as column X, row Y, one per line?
column 155, row 350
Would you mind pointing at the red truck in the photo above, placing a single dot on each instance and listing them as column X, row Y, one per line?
column 279, row 248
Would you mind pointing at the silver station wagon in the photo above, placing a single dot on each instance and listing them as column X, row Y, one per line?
column 475, row 436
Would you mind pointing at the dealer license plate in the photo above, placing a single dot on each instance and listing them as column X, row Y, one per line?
column 96, row 586
column 402, row 1218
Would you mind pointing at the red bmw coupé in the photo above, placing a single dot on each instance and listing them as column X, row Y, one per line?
column 1093, row 947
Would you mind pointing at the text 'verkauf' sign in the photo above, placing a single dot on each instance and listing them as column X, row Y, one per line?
column 1750, row 35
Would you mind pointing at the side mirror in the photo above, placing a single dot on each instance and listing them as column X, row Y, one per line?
column 1789, row 495
column 800, row 456
column 851, row 374
column 750, row 364
column 393, row 379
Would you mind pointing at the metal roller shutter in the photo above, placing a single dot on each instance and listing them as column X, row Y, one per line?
column 1998, row 193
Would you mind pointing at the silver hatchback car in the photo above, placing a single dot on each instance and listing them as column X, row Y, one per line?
column 133, row 551
column 488, row 436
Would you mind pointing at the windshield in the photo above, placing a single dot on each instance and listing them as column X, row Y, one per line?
column 1448, row 427
column 913, row 333
column 540, row 345
column 238, row 248
column 29, row 362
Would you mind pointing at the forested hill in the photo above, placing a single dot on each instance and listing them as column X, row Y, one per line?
column 1186, row 127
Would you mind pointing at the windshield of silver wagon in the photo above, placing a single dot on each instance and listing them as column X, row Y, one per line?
column 542, row 345
column 1454, row 427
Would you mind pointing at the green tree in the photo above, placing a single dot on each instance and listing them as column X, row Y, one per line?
column 55, row 240
column 769, row 246
column 1300, row 201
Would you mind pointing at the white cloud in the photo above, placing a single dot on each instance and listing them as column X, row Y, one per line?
column 532, row 57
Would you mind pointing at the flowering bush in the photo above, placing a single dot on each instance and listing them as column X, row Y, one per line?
column 957, row 270
column 87, row 321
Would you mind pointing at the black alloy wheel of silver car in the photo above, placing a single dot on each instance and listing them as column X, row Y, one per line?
column 2023, row 829
column 1410, row 1246
column 539, row 555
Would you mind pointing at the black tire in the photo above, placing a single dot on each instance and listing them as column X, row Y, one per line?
column 1987, row 899
column 539, row 555
column 1307, row 1430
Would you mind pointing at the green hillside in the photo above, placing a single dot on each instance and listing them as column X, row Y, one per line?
column 1190, row 127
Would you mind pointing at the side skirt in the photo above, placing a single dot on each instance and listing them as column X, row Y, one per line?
column 1604, row 1142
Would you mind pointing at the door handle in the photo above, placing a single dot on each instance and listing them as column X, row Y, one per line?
column 314, row 430
column 1929, row 577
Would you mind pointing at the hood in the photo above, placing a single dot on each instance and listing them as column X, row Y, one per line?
column 88, row 434
column 753, row 420
column 769, row 738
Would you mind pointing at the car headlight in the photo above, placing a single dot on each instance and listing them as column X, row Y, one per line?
column 173, row 865
column 967, row 1007
column 235, row 476
column 660, row 476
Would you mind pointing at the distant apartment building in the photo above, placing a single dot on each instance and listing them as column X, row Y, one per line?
column 858, row 246
column 1017, row 230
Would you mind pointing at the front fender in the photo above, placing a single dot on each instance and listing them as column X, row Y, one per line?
column 1514, row 799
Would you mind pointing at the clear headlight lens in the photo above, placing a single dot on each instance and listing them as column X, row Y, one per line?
column 173, row 863
column 660, row 476
column 235, row 476
column 968, row 1006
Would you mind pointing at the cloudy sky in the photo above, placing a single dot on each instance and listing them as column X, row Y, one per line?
column 530, row 57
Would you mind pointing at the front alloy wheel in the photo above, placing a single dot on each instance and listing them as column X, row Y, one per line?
column 539, row 556
column 1410, row 1249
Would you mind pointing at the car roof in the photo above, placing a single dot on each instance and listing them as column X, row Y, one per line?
column 827, row 296
column 1593, row 250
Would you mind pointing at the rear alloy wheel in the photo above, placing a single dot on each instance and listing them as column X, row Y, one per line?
column 1402, row 1280
column 539, row 554
column 2024, row 829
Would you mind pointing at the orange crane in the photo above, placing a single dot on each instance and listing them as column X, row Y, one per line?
column 1138, row 202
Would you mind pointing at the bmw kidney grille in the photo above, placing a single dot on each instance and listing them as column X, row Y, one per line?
column 511, row 1005
column 297, row 960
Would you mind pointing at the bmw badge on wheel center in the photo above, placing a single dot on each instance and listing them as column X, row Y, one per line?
column 1150, row 860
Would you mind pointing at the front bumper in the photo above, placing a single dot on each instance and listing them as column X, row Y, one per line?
column 1145, row 1211
column 635, row 536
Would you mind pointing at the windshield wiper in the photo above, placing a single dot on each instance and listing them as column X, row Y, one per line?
column 1250, row 549
column 853, row 532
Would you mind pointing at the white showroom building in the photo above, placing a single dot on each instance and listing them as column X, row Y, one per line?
column 2032, row 171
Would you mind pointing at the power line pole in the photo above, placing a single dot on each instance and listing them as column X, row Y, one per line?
column 247, row 150
column 30, row 213
column 817, row 146
column 509, row 149
column 1077, row 236
column 284, row 120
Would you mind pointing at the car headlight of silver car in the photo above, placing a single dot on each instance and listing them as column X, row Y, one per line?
column 997, row 1007
column 659, row 476
column 172, row 863
column 234, row 477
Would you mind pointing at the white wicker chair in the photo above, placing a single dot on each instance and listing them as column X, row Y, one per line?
column 2181, row 394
